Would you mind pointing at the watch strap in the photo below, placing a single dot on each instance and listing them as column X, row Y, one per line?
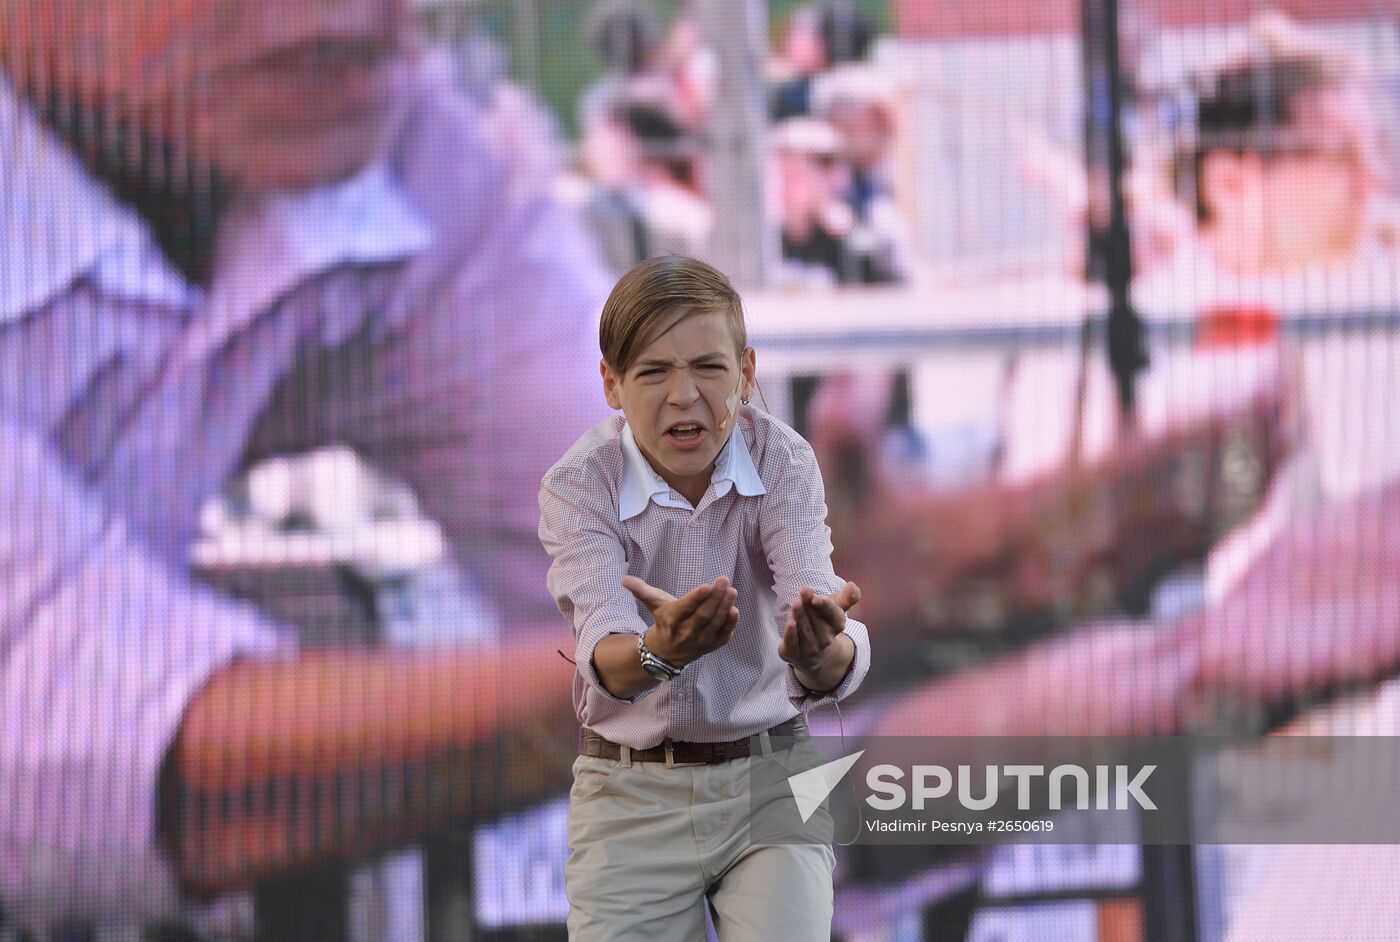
column 657, row 667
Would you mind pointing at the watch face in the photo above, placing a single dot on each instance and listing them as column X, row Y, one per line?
column 652, row 664
column 655, row 670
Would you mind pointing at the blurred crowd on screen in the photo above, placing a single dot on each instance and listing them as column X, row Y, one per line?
column 642, row 156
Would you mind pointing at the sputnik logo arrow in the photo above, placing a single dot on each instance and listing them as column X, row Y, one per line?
column 811, row 787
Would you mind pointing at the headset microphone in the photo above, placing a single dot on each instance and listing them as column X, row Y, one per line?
column 731, row 404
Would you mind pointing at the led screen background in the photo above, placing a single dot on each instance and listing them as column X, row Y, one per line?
column 298, row 303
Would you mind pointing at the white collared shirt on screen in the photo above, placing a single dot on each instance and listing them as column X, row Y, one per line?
column 128, row 398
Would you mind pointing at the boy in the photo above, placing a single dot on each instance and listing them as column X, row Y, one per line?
column 722, row 539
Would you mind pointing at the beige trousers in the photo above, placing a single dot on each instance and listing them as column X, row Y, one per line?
column 651, row 844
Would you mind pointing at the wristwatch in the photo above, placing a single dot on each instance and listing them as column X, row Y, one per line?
column 660, row 668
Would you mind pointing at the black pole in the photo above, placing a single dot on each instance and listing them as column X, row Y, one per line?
column 1110, row 256
column 1168, row 886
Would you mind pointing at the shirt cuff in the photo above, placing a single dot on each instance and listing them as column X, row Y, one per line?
column 583, row 658
column 807, row 700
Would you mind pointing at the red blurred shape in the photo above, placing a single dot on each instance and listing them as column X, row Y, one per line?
column 1236, row 325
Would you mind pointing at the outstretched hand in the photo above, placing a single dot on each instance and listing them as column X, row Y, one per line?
column 691, row 626
column 814, row 624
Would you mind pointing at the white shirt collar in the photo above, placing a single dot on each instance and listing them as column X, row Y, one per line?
column 275, row 241
column 58, row 224
column 641, row 484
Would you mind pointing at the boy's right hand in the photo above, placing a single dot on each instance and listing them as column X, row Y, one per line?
column 691, row 626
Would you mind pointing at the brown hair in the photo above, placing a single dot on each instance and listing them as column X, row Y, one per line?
column 657, row 288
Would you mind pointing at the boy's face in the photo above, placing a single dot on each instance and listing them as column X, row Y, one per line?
column 681, row 396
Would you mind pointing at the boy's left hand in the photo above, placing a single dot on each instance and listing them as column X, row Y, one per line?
column 815, row 622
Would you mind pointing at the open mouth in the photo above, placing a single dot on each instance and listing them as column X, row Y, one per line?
column 685, row 434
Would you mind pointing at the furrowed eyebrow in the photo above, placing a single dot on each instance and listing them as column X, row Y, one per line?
column 703, row 358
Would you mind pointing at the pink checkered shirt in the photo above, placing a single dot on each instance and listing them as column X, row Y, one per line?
column 605, row 513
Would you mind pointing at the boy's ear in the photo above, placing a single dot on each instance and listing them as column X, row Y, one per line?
column 610, row 381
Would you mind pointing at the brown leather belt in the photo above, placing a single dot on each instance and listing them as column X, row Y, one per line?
column 684, row 753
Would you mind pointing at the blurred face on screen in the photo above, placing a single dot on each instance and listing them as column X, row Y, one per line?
column 1301, row 200
column 804, row 49
column 866, row 131
column 276, row 93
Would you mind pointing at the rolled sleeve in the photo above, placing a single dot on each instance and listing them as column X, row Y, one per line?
column 587, row 563
column 797, row 542
column 102, row 647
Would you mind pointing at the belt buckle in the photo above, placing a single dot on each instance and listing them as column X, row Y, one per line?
column 670, row 749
